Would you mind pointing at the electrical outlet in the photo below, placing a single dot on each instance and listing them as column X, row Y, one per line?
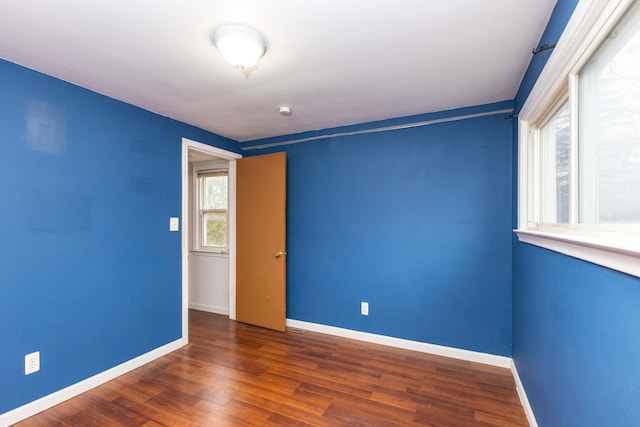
column 32, row 363
column 364, row 308
column 174, row 224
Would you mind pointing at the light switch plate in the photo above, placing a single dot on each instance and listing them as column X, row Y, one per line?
column 174, row 224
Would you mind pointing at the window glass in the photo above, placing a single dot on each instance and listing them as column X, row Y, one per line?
column 215, row 229
column 609, row 128
column 216, row 192
column 555, row 152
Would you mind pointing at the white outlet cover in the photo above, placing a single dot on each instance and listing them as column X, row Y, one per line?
column 364, row 308
column 32, row 363
column 174, row 223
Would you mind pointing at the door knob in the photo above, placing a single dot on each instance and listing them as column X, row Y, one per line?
column 279, row 253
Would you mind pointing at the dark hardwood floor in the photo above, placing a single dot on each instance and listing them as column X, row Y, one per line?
column 232, row 374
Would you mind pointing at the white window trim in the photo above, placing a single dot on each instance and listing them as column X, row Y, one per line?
column 589, row 24
column 197, row 230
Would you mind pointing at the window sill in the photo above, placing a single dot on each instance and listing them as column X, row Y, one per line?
column 216, row 254
column 620, row 256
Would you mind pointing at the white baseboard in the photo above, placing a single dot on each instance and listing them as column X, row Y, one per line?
column 209, row 308
column 455, row 353
column 60, row 396
column 523, row 396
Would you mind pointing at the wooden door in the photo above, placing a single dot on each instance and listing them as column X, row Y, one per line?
column 261, row 240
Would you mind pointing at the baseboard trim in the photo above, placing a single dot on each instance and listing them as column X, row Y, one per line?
column 209, row 308
column 49, row 401
column 440, row 350
column 522, row 394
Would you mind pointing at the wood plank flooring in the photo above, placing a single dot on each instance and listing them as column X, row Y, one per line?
column 232, row 374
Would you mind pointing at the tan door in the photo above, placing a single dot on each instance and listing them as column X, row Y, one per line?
column 261, row 262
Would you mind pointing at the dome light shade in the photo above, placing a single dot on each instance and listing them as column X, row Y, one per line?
column 241, row 46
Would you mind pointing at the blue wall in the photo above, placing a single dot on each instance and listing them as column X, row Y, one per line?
column 576, row 339
column 576, row 326
column 416, row 222
column 90, row 276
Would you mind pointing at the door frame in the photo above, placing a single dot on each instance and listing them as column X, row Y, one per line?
column 187, row 214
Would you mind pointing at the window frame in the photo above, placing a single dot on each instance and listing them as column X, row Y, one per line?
column 201, row 169
column 615, row 246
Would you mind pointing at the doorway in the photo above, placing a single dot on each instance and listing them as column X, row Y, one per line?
column 195, row 152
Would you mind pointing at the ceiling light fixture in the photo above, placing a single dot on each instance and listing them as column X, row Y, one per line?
column 241, row 46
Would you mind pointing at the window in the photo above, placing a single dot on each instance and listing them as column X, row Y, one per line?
column 579, row 165
column 213, row 202
column 609, row 128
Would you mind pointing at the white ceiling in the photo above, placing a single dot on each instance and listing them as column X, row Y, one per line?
column 335, row 62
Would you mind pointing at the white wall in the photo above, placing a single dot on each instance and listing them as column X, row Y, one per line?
column 209, row 282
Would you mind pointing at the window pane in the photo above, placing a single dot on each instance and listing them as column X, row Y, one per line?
column 215, row 229
column 216, row 193
column 555, row 167
column 609, row 128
